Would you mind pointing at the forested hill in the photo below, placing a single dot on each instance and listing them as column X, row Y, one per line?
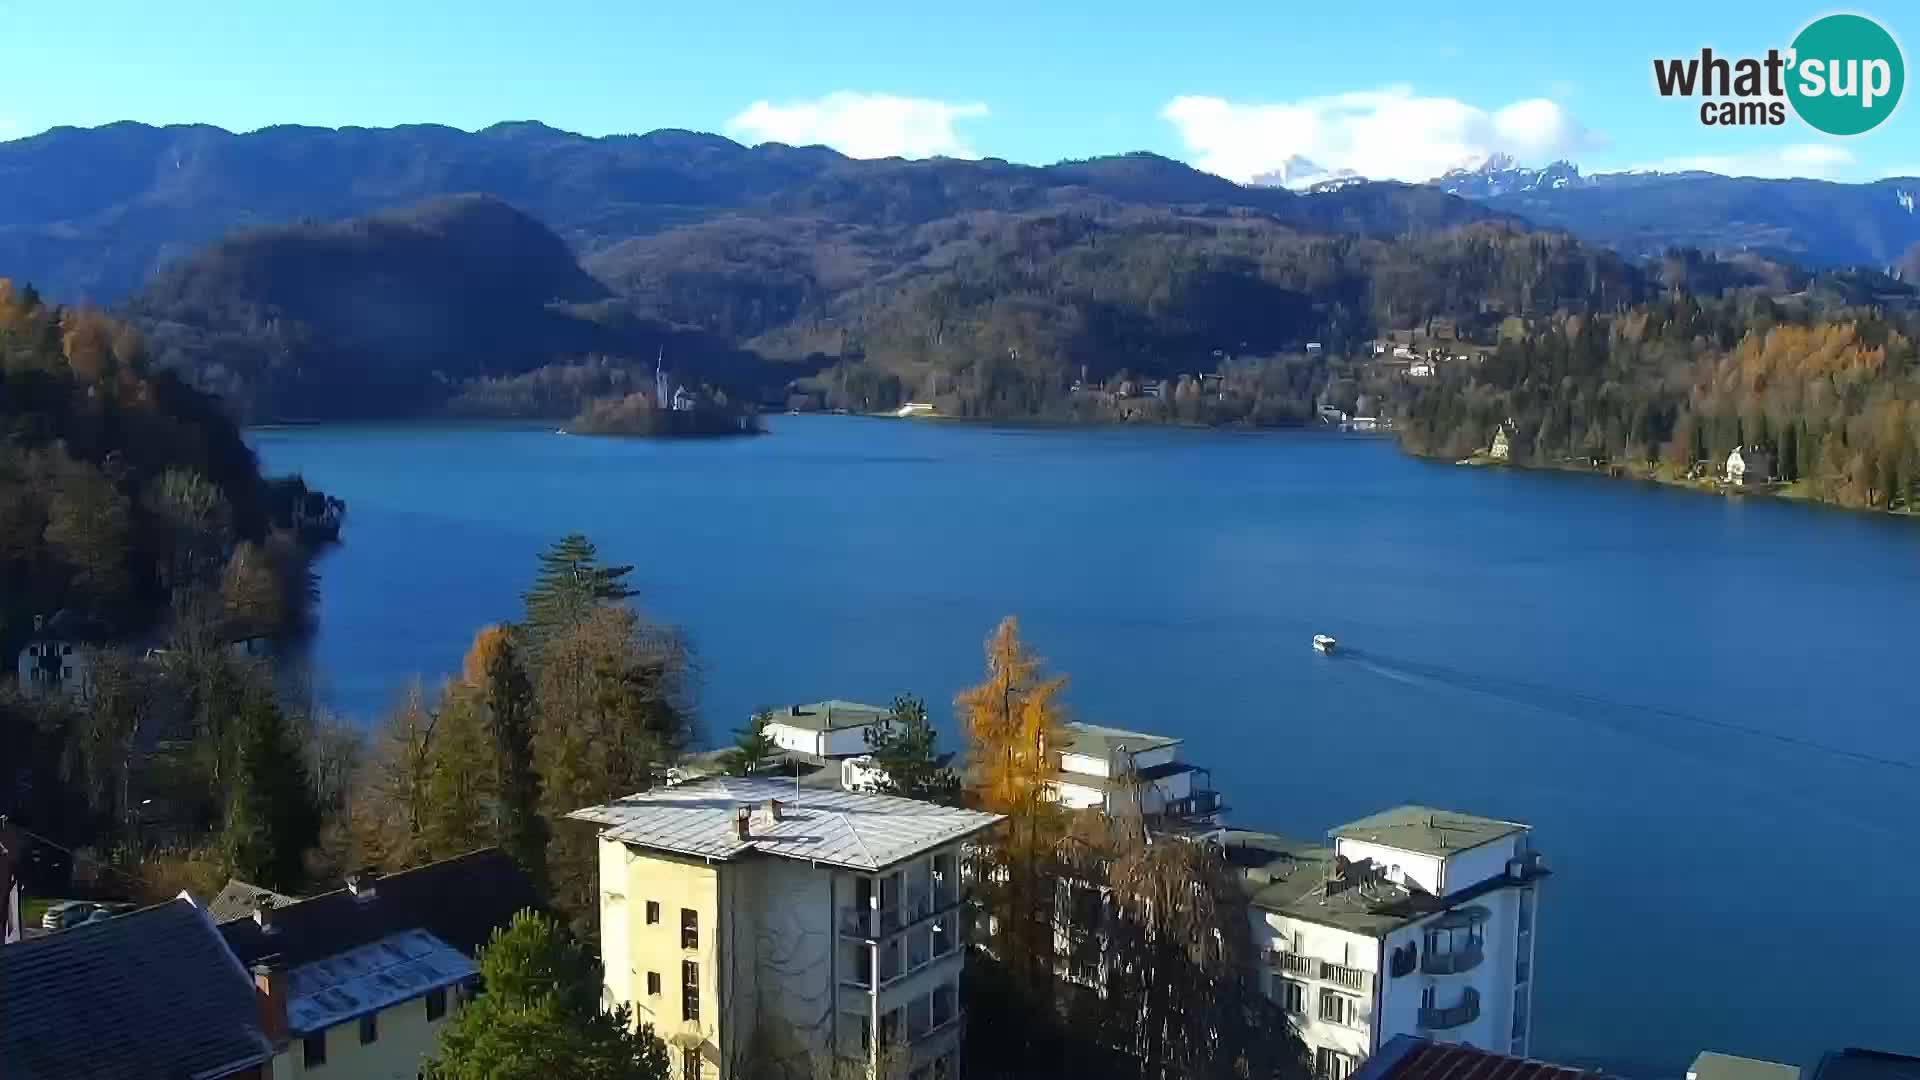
column 388, row 315
column 123, row 489
column 90, row 214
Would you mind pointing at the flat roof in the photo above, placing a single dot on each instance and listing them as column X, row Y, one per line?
column 830, row 715
column 1095, row 740
column 1284, row 875
column 1713, row 1065
column 1426, row 830
column 848, row 829
column 375, row 976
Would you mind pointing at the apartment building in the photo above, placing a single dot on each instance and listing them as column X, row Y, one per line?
column 1095, row 765
column 1412, row 921
column 753, row 922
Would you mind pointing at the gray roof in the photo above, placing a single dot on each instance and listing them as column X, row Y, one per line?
column 830, row 715
column 398, row 967
column 1285, row 876
column 238, row 900
column 1093, row 740
column 1711, row 1065
column 841, row 828
column 1427, row 831
column 153, row 993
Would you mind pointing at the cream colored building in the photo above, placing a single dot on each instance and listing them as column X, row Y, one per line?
column 753, row 923
column 360, row 982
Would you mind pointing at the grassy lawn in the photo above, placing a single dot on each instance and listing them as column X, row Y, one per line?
column 32, row 908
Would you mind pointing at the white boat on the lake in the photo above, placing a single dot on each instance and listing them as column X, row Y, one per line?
column 1324, row 643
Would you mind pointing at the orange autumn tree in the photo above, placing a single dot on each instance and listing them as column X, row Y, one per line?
column 1012, row 721
column 496, row 676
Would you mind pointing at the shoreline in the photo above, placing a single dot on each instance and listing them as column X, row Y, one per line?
column 1794, row 492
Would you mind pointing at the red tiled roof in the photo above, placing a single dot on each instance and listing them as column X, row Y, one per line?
column 1423, row 1060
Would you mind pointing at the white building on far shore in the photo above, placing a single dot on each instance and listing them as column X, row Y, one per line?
column 1415, row 921
column 824, row 729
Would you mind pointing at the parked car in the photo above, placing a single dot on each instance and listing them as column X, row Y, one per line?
column 103, row 912
column 66, row 913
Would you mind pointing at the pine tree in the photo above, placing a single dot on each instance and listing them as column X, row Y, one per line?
column 570, row 584
column 540, row 1018
column 493, row 667
column 271, row 818
column 905, row 747
column 752, row 746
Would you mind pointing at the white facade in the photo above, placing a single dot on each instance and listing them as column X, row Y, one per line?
column 824, row 729
column 49, row 665
column 1749, row 465
column 1092, row 758
column 1449, row 957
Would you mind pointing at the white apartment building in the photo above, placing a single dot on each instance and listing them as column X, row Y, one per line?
column 1415, row 921
column 752, row 923
column 824, row 729
column 1094, row 766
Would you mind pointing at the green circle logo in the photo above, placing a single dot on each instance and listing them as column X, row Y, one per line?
column 1847, row 74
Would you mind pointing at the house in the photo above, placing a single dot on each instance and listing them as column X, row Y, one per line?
column 59, row 655
column 1408, row 1057
column 740, row 917
column 1749, row 465
column 1096, row 766
column 824, row 729
column 1313, row 347
column 1413, row 921
column 153, row 993
column 360, row 981
column 1502, row 448
column 914, row 408
column 1154, row 388
column 239, row 900
column 683, row 400
column 1423, row 369
column 1331, row 415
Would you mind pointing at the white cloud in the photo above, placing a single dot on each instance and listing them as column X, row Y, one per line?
column 1819, row 161
column 863, row 125
column 1384, row 134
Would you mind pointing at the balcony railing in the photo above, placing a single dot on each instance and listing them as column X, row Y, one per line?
column 1295, row 964
column 1463, row 958
column 1341, row 975
column 1433, row 1018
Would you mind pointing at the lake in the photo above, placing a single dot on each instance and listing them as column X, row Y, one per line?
column 1705, row 706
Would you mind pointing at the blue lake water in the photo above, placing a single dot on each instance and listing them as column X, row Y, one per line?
column 1704, row 706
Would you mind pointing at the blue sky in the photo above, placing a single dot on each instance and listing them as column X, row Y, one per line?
column 1383, row 88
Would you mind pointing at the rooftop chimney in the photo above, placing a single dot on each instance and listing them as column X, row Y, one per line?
column 263, row 913
column 270, row 992
column 361, row 884
column 773, row 809
column 741, row 816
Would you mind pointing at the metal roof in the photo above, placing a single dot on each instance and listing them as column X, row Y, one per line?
column 1711, row 1065
column 238, row 900
column 397, row 968
column 841, row 828
column 1427, row 831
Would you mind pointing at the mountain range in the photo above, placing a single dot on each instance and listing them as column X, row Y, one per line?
column 321, row 272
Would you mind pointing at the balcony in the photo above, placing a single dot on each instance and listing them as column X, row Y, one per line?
column 1295, row 964
column 1463, row 957
column 1434, row 1018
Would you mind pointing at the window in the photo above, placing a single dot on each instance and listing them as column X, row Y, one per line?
column 689, row 928
column 690, row 1063
column 653, row 983
column 1336, row 1008
column 689, row 990
column 436, row 1003
column 369, row 1028
column 1331, row 1064
column 313, row 1050
column 653, row 912
column 1293, row 997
